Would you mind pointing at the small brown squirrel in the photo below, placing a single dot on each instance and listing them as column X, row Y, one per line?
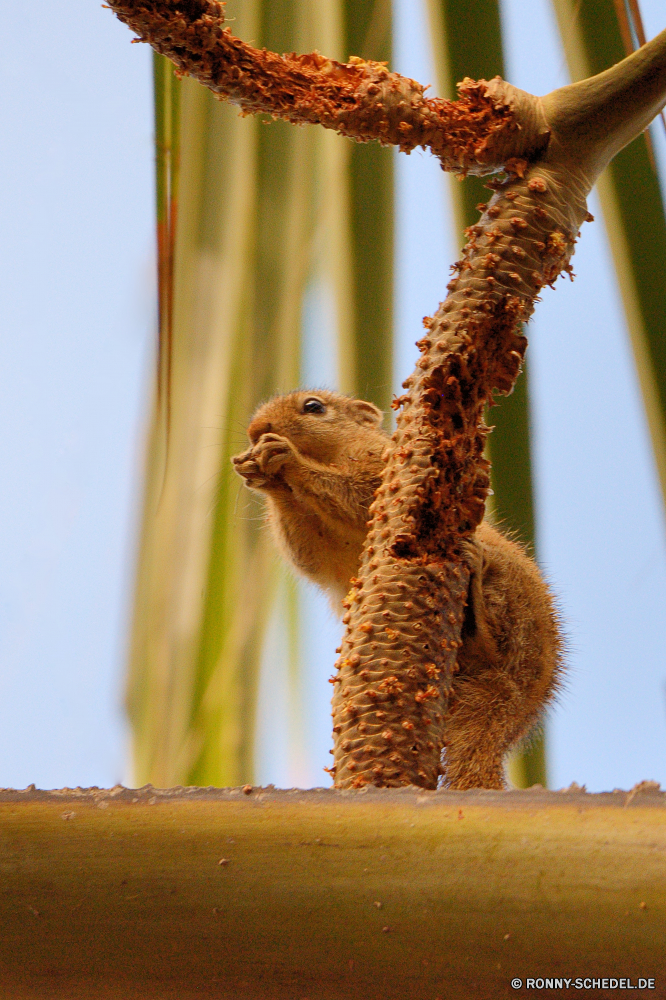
column 317, row 456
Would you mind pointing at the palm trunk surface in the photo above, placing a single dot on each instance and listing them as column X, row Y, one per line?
column 400, row 893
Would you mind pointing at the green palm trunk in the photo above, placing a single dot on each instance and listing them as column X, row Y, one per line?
column 399, row 894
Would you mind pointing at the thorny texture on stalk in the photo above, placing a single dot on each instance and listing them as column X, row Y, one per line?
column 405, row 609
column 359, row 99
column 406, row 606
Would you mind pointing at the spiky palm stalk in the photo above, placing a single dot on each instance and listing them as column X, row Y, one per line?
column 406, row 606
column 472, row 46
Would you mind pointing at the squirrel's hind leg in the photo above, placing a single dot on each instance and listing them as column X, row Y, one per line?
column 509, row 666
column 489, row 713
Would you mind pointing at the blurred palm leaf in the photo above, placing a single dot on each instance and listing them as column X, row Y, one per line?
column 167, row 171
column 469, row 43
column 368, row 34
column 633, row 210
column 264, row 210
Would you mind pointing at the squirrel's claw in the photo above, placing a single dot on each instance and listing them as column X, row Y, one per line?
column 272, row 452
column 261, row 464
column 246, row 467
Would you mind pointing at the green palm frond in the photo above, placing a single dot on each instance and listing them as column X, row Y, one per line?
column 368, row 35
column 634, row 216
column 264, row 210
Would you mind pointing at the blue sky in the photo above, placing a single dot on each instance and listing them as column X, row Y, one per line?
column 76, row 344
column 77, row 325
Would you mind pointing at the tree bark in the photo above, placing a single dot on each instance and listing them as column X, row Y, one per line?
column 405, row 608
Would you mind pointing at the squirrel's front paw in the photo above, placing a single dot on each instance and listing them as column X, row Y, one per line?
column 272, row 453
column 246, row 466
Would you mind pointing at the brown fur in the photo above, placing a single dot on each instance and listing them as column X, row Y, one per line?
column 319, row 472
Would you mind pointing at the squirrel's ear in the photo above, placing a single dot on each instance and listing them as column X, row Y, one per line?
column 368, row 412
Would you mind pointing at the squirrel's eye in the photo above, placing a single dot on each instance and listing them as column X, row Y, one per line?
column 313, row 406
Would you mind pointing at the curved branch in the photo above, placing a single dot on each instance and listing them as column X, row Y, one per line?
column 594, row 119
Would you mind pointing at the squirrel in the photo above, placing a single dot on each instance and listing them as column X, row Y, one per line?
column 317, row 457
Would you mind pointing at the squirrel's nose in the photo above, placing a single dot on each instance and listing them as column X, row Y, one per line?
column 257, row 428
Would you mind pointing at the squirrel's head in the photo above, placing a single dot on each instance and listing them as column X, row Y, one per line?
column 319, row 423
